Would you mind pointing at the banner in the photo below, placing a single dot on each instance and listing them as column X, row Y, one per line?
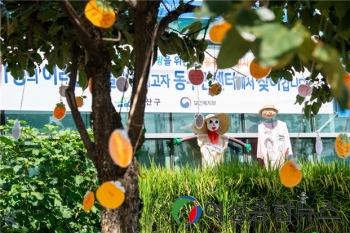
column 169, row 90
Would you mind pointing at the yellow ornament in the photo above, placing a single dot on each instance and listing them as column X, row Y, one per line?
column 111, row 194
column 88, row 201
column 100, row 13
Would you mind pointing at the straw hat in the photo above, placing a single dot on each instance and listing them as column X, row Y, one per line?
column 224, row 124
column 268, row 106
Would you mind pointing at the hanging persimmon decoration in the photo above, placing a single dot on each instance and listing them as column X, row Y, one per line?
column 342, row 145
column 111, row 194
column 79, row 100
column 215, row 89
column 100, row 13
column 120, row 148
column 257, row 71
column 60, row 111
column 290, row 174
column 89, row 200
column 218, row 31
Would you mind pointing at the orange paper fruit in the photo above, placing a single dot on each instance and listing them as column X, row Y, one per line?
column 257, row 71
column 89, row 199
column 90, row 85
column 111, row 194
column 218, row 31
column 100, row 13
column 60, row 111
column 80, row 101
column 342, row 145
column 290, row 174
column 120, row 148
column 215, row 89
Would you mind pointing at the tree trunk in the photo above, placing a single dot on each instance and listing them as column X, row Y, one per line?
column 124, row 219
column 104, row 116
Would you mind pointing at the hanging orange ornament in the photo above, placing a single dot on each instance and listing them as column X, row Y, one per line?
column 342, row 145
column 290, row 174
column 100, row 13
column 257, row 71
column 79, row 101
column 120, row 148
column 215, row 89
column 60, row 111
column 111, row 194
column 90, row 85
column 89, row 200
column 218, row 31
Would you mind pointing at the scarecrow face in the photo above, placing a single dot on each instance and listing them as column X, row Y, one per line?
column 213, row 124
column 269, row 113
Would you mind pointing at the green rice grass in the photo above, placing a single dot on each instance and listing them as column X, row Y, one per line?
column 236, row 182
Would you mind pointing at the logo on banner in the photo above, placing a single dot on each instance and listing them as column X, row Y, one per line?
column 193, row 215
column 185, row 102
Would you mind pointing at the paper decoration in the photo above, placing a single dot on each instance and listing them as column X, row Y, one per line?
column 218, row 31
column 89, row 200
column 196, row 77
column 215, row 89
column 319, row 145
column 290, row 174
column 60, row 111
column 304, row 90
column 238, row 82
column 257, row 71
column 122, row 84
column 16, row 130
column 62, row 90
column 342, row 145
column 90, row 85
column 100, row 13
column 79, row 100
column 199, row 121
column 120, row 148
column 111, row 194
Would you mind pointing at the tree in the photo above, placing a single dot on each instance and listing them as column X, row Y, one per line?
column 60, row 31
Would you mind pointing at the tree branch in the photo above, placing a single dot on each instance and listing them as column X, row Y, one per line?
column 73, row 16
column 73, row 106
column 173, row 16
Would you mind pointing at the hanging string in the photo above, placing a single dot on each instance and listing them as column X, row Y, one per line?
column 346, row 124
column 24, row 86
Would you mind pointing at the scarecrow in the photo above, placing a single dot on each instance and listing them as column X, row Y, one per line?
column 211, row 139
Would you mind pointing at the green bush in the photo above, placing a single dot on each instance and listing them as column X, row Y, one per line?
column 42, row 182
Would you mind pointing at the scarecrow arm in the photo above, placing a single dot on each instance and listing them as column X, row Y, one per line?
column 178, row 141
column 247, row 146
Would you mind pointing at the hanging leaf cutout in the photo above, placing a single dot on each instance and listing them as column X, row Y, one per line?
column 319, row 145
column 16, row 130
column 100, row 13
column 120, row 148
column 88, row 201
column 238, row 82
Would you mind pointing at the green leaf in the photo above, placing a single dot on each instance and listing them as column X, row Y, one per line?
column 233, row 48
column 340, row 8
column 6, row 140
column 209, row 76
column 129, row 37
column 47, row 14
column 54, row 29
column 79, row 180
column 217, row 8
column 193, row 29
column 276, row 40
column 35, row 152
column 307, row 110
column 315, row 107
column 37, row 195
column 83, row 80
